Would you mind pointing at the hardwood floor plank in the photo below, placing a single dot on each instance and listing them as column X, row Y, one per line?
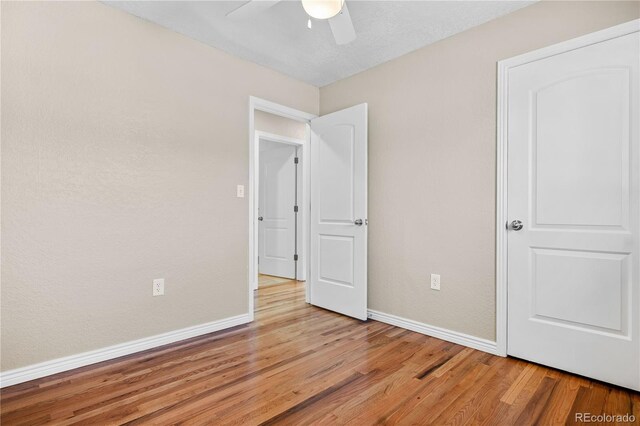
column 438, row 399
column 287, row 415
column 310, row 377
column 588, row 400
column 297, row 364
column 514, row 390
column 509, row 412
column 458, row 410
column 538, row 402
column 479, row 410
column 432, row 389
column 560, row 401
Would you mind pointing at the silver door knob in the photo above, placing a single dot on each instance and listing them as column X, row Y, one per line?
column 358, row 222
column 260, row 218
column 515, row 225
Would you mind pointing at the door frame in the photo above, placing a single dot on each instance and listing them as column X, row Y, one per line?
column 302, row 220
column 502, row 175
column 264, row 105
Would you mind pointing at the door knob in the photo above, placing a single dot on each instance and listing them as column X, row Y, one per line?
column 515, row 225
column 358, row 222
column 260, row 218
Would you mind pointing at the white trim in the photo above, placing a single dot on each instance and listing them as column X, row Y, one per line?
column 572, row 44
column 282, row 111
column 279, row 138
column 502, row 150
column 437, row 332
column 501, row 211
column 47, row 368
column 304, row 213
column 306, row 205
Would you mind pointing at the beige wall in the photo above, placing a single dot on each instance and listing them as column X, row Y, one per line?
column 277, row 125
column 432, row 133
column 122, row 145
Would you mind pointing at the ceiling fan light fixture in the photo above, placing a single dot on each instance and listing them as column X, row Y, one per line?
column 322, row 9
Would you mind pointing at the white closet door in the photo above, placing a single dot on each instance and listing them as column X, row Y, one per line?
column 574, row 183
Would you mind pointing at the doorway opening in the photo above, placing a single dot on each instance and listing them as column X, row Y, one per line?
column 281, row 253
column 332, row 207
column 278, row 196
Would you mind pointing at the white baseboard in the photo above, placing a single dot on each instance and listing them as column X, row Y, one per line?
column 437, row 332
column 47, row 368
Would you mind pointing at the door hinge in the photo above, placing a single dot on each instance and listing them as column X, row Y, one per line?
column 295, row 160
column 295, row 257
column 295, row 209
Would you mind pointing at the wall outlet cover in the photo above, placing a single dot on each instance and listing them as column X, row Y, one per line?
column 158, row 287
column 435, row 281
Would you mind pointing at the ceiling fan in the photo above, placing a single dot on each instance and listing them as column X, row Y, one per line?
column 335, row 11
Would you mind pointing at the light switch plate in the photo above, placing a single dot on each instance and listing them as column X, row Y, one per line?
column 240, row 191
column 435, row 282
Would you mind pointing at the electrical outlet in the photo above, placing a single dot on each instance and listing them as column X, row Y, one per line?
column 158, row 287
column 435, row 282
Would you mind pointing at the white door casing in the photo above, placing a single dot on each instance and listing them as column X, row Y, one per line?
column 258, row 104
column 276, row 199
column 338, row 243
column 573, row 160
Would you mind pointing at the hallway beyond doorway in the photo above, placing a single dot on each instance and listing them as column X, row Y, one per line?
column 269, row 280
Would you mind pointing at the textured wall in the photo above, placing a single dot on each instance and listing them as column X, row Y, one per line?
column 432, row 147
column 122, row 145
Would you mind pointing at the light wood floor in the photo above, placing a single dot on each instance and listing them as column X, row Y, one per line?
column 267, row 280
column 301, row 365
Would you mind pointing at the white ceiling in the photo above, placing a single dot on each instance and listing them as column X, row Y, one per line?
column 278, row 38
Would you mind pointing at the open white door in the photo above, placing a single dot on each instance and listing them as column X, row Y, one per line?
column 338, row 255
column 277, row 220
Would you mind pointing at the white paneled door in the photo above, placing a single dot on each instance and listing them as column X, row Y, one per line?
column 573, row 208
column 277, row 219
column 338, row 252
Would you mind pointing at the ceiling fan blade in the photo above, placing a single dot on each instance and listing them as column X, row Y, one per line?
column 342, row 27
column 251, row 8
